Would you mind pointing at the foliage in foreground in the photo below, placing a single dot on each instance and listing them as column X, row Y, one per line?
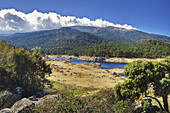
column 21, row 68
column 103, row 102
column 141, row 74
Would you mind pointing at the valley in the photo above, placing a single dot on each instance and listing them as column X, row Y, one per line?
column 84, row 56
column 96, row 79
column 87, row 75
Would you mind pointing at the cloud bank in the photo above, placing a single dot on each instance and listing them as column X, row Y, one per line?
column 12, row 21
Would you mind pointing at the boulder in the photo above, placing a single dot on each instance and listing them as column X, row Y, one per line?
column 99, row 59
column 21, row 105
column 6, row 110
column 9, row 97
column 46, row 98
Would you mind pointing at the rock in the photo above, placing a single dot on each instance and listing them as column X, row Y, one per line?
column 47, row 58
column 138, row 108
column 21, row 105
column 114, row 73
column 93, row 59
column 95, row 65
column 41, row 94
column 9, row 97
column 33, row 98
column 99, row 59
column 66, row 61
column 46, row 98
column 6, row 110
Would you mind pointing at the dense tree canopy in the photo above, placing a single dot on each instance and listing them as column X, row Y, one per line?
column 146, row 49
column 21, row 68
column 141, row 74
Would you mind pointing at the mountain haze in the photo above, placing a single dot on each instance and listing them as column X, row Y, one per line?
column 121, row 34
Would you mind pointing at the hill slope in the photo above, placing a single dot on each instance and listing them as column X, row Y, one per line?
column 145, row 49
column 121, row 34
column 54, row 38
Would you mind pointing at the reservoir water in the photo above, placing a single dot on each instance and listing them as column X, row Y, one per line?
column 104, row 65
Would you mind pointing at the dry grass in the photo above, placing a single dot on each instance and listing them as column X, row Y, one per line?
column 83, row 75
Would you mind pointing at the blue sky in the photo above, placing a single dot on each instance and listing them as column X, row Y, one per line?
column 147, row 15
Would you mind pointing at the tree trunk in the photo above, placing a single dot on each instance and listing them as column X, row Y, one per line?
column 165, row 101
column 157, row 102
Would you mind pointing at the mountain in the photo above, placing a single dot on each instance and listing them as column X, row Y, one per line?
column 13, row 21
column 94, row 42
column 54, row 38
column 121, row 34
column 77, row 36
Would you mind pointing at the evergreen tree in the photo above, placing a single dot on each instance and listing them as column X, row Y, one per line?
column 21, row 68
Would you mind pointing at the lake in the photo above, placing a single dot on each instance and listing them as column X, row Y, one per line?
column 104, row 65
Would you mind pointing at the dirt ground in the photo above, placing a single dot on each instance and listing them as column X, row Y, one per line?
column 83, row 74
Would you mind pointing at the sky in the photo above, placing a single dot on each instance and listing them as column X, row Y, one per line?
column 152, row 16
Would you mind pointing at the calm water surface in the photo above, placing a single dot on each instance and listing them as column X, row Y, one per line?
column 104, row 65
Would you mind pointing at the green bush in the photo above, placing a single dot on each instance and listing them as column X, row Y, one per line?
column 21, row 68
column 147, row 106
column 124, row 107
column 68, row 102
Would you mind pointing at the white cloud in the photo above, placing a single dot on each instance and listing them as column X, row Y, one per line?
column 16, row 21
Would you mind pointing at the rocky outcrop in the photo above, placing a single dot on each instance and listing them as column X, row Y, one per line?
column 120, row 60
column 9, row 97
column 45, row 99
column 99, row 59
column 21, row 105
column 87, row 58
column 93, row 59
column 6, row 110
column 26, row 103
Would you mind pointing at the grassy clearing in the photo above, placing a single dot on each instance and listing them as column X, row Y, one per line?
column 59, row 87
column 84, row 91
column 82, row 75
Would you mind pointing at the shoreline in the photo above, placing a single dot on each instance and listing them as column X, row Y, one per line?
column 84, row 74
column 104, row 59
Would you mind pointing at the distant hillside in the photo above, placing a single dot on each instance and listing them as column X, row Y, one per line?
column 145, row 49
column 121, row 34
column 54, row 38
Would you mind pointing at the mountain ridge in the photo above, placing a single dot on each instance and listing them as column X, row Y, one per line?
column 65, row 36
column 133, row 35
column 80, row 36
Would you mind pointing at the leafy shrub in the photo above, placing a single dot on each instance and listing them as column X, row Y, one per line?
column 68, row 102
column 21, row 68
column 147, row 106
column 124, row 107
